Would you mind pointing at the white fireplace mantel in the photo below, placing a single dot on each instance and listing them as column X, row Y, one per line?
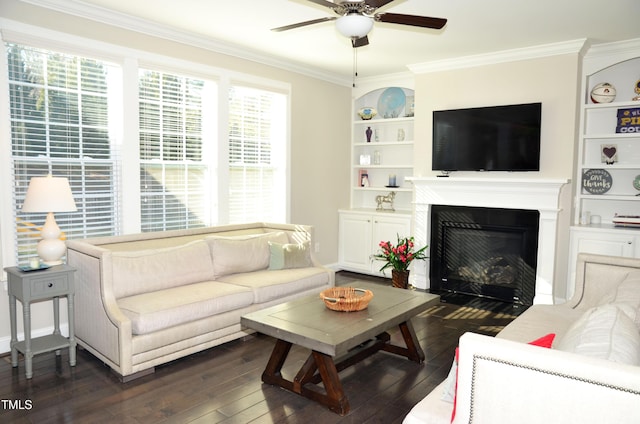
column 551, row 197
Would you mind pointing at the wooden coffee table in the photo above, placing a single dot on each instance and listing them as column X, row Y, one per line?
column 337, row 340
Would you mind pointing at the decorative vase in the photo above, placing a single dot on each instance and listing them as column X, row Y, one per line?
column 400, row 279
column 368, row 133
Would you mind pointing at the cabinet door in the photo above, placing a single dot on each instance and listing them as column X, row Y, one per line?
column 612, row 245
column 388, row 228
column 354, row 248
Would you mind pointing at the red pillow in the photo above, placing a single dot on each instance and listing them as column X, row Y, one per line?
column 455, row 395
column 544, row 341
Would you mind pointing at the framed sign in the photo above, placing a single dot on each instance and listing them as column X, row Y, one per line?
column 628, row 120
column 596, row 181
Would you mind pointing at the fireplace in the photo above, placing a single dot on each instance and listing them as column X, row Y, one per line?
column 550, row 198
column 487, row 252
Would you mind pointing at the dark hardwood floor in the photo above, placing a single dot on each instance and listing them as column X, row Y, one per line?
column 222, row 384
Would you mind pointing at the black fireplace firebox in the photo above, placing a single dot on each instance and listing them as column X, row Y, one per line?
column 487, row 252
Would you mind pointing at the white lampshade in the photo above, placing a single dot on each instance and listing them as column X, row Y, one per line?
column 47, row 195
column 354, row 25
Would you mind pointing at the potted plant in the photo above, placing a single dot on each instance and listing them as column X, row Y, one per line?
column 398, row 257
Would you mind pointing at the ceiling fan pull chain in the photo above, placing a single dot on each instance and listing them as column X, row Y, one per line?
column 355, row 66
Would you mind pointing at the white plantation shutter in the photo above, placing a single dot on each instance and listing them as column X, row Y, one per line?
column 257, row 155
column 60, row 125
column 174, row 172
column 66, row 118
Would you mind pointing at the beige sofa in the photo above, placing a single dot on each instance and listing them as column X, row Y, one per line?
column 591, row 374
column 145, row 299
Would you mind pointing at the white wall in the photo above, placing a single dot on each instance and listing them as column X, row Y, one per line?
column 551, row 80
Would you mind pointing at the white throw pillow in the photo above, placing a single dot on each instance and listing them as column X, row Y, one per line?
column 289, row 255
column 158, row 269
column 604, row 332
column 627, row 297
column 237, row 254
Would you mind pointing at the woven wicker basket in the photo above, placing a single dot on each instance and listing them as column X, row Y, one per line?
column 346, row 299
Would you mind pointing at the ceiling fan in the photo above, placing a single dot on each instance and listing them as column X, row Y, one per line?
column 355, row 19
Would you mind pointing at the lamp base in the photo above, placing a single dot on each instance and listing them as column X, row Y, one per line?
column 51, row 251
column 51, row 248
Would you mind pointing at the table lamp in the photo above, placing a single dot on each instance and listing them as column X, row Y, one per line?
column 48, row 195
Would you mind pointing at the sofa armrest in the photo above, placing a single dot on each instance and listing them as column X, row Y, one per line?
column 101, row 327
column 502, row 381
column 598, row 275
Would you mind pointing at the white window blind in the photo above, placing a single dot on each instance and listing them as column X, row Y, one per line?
column 175, row 183
column 60, row 125
column 257, row 155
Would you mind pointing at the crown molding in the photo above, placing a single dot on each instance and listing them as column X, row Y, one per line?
column 398, row 79
column 143, row 26
column 554, row 49
column 614, row 48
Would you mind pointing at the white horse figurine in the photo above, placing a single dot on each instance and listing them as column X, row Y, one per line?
column 381, row 200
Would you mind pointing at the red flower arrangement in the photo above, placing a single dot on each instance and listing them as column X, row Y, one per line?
column 400, row 256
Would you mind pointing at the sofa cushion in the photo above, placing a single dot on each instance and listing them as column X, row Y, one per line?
column 238, row 254
column 604, row 332
column 540, row 319
column 157, row 269
column 627, row 297
column 268, row 285
column 162, row 309
column 286, row 256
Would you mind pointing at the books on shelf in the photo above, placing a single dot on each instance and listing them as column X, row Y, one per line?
column 626, row 221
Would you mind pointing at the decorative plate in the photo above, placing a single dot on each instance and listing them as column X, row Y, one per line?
column 596, row 181
column 391, row 102
column 636, row 182
column 27, row 268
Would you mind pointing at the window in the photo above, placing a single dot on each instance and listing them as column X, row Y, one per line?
column 67, row 112
column 257, row 155
column 60, row 125
column 175, row 130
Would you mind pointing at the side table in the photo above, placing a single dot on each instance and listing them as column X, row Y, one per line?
column 34, row 286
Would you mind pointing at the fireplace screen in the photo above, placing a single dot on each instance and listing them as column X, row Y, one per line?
column 484, row 252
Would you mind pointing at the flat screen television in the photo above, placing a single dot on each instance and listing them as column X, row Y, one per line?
column 495, row 138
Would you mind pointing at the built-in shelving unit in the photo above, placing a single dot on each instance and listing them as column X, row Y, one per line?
column 384, row 154
column 593, row 229
column 598, row 132
column 387, row 155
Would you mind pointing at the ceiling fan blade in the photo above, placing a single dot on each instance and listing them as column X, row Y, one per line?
column 301, row 24
column 359, row 42
column 419, row 21
column 324, row 3
column 376, row 4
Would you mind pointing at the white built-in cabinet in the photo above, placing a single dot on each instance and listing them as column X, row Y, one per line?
column 383, row 156
column 360, row 235
column 619, row 65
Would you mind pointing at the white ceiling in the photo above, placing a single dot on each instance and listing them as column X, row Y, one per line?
column 474, row 27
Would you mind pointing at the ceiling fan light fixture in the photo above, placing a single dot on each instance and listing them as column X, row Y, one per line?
column 354, row 25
